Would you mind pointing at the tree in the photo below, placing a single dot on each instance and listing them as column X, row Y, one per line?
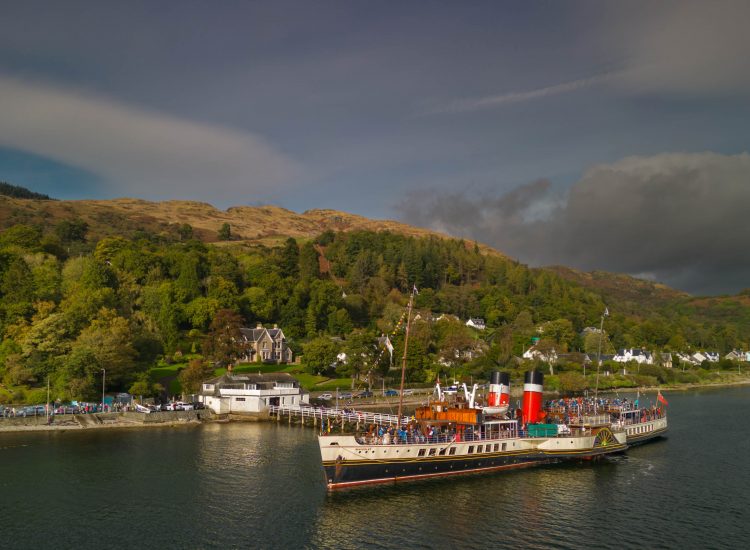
column 72, row 230
column 309, row 264
column 223, row 343
column 109, row 339
column 339, row 322
column 185, row 231
column 192, row 376
column 572, row 382
column 225, row 233
column 289, row 260
column 360, row 353
column 319, row 354
column 143, row 387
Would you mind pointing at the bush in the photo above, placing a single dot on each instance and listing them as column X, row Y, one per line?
column 687, row 377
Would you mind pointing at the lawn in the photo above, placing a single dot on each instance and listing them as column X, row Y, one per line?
column 162, row 370
column 343, row 384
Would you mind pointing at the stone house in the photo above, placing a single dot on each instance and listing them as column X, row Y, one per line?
column 268, row 345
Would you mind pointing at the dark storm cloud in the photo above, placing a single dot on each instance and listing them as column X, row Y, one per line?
column 676, row 218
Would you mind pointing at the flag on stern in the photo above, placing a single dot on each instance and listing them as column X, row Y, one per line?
column 661, row 399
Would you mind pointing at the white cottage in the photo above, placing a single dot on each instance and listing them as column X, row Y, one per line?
column 251, row 393
column 477, row 323
column 640, row 356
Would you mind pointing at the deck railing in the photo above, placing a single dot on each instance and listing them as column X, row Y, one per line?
column 365, row 417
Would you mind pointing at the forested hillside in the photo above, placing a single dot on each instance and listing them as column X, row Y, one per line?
column 72, row 305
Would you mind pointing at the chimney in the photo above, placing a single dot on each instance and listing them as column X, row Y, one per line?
column 259, row 325
column 275, row 325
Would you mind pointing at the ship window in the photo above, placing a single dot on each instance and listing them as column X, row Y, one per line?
column 432, row 451
column 422, row 452
column 479, row 448
column 442, row 451
column 471, row 449
column 488, row 448
column 497, row 447
column 452, row 451
column 505, row 445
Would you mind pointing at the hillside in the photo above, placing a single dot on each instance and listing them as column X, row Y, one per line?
column 248, row 223
column 127, row 285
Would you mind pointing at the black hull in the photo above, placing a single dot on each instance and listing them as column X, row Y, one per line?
column 640, row 439
column 343, row 474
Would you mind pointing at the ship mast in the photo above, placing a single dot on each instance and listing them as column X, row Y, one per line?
column 403, row 359
column 599, row 360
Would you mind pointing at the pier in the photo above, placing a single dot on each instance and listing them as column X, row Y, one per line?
column 315, row 416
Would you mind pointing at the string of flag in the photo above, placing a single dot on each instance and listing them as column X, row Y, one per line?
column 388, row 345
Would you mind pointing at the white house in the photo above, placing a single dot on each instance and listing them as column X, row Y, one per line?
column 642, row 357
column 738, row 355
column 712, row 356
column 535, row 354
column 251, row 393
column 686, row 358
column 477, row 323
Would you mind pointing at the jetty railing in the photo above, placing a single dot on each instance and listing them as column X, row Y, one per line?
column 348, row 415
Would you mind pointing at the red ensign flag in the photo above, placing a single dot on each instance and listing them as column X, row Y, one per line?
column 661, row 399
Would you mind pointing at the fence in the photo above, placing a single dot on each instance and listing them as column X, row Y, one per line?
column 348, row 415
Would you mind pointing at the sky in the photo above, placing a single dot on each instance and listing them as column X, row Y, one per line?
column 598, row 135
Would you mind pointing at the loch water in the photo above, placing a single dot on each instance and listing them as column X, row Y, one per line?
column 260, row 485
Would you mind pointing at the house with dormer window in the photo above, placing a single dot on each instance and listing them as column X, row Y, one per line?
column 267, row 345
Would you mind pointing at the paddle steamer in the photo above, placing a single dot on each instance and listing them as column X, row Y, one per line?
column 449, row 438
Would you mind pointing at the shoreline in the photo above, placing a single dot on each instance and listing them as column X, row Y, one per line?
column 106, row 421
column 72, row 424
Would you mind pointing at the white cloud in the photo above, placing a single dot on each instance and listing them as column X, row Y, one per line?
column 487, row 102
column 138, row 152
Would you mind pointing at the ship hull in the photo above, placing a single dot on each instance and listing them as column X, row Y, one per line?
column 358, row 471
column 644, row 432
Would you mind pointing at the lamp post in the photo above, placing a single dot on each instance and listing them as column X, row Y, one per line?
column 104, row 378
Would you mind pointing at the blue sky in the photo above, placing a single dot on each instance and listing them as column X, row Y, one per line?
column 389, row 110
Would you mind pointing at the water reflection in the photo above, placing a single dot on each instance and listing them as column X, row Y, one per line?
column 261, row 486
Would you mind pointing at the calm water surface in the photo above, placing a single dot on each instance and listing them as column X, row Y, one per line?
column 261, row 486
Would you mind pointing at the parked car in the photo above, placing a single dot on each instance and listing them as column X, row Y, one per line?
column 409, row 392
column 346, row 395
column 390, row 393
column 197, row 405
column 185, row 406
column 325, row 396
column 364, row 394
